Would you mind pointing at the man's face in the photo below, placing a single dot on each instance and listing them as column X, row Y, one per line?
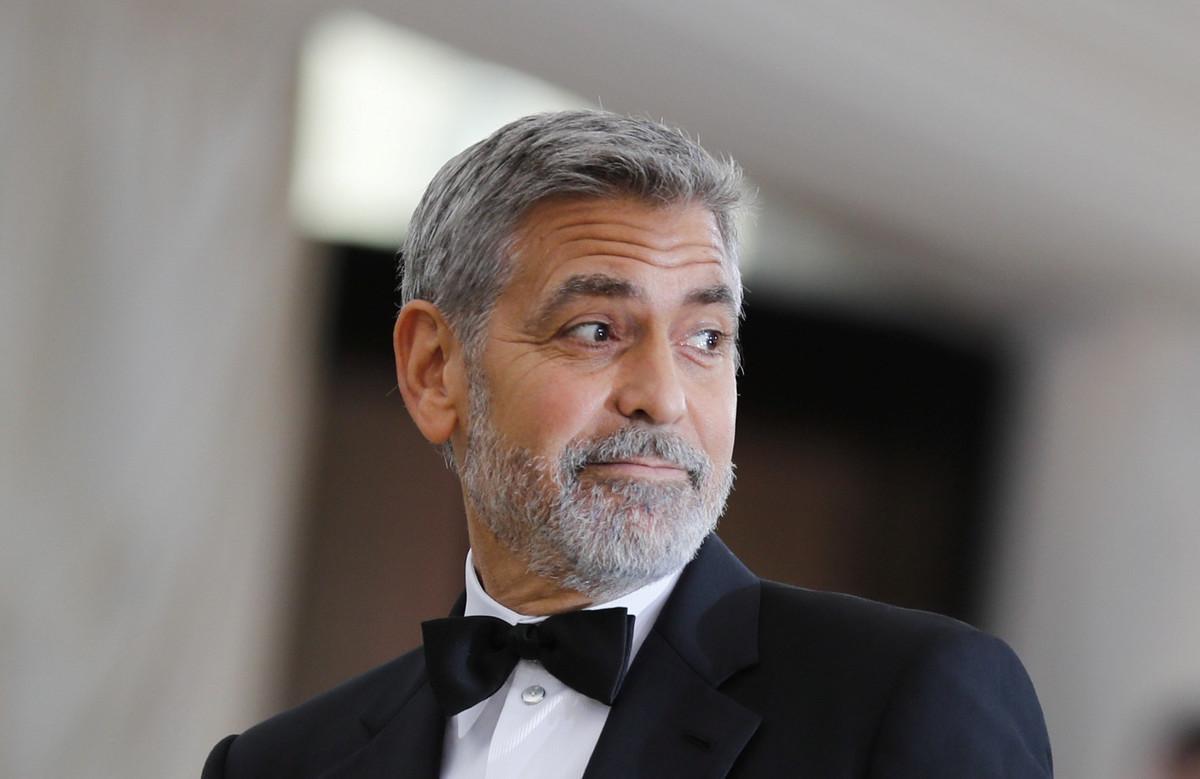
column 603, row 405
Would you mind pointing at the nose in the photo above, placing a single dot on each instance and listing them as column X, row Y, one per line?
column 649, row 388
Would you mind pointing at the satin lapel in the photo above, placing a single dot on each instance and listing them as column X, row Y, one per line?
column 406, row 744
column 671, row 719
column 407, row 728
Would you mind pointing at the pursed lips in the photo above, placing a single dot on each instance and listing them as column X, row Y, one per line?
column 642, row 467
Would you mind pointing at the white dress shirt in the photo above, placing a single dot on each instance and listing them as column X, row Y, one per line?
column 534, row 726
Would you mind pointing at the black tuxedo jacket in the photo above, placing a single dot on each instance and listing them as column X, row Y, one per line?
column 740, row 677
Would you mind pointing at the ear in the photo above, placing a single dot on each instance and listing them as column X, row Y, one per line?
column 429, row 370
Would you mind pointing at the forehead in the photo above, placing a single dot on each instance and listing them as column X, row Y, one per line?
column 678, row 243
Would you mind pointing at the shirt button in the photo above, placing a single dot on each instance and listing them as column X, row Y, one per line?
column 534, row 693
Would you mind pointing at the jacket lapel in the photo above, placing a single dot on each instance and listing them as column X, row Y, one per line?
column 406, row 730
column 670, row 718
column 668, row 721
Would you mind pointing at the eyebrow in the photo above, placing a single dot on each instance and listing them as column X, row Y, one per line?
column 594, row 285
column 602, row 285
column 717, row 294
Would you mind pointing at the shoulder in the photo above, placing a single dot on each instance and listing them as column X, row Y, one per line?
column 846, row 647
column 320, row 731
column 864, row 644
column 834, row 622
column 913, row 693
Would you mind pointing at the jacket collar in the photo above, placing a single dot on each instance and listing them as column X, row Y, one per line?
column 711, row 619
column 670, row 718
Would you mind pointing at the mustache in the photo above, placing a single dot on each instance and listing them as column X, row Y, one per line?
column 629, row 442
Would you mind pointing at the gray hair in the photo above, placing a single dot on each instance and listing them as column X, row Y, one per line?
column 457, row 254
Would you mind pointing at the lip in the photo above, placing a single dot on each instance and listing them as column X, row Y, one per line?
column 640, row 467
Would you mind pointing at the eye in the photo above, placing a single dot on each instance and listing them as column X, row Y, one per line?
column 591, row 332
column 706, row 340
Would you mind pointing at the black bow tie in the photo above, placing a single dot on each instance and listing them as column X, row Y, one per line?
column 469, row 658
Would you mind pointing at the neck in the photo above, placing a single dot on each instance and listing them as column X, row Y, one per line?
column 506, row 578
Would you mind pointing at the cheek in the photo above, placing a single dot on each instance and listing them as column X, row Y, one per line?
column 544, row 415
column 716, row 421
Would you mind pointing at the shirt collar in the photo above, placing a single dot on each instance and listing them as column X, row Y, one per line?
column 644, row 604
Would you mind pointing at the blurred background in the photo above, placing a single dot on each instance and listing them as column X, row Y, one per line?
column 971, row 360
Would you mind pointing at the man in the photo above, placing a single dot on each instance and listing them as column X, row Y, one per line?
column 568, row 338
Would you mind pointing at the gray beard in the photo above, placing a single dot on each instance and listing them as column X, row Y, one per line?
column 602, row 537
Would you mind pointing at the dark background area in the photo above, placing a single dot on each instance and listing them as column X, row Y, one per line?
column 864, row 453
